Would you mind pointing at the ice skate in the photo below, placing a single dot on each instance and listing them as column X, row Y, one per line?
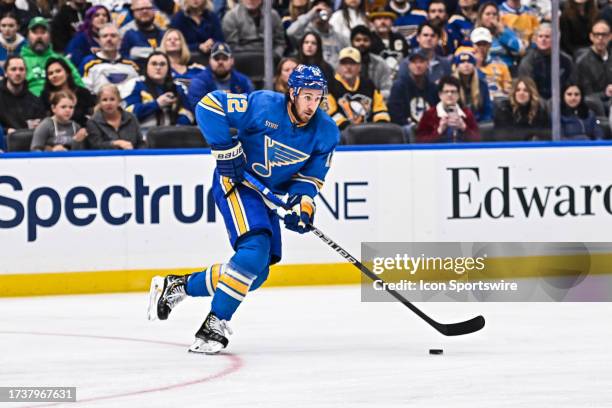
column 211, row 337
column 165, row 294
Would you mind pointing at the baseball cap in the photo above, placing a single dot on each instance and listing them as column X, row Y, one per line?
column 481, row 34
column 350, row 53
column 220, row 48
column 418, row 53
column 38, row 22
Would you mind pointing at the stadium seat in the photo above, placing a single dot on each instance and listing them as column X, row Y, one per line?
column 172, row 137
column 20, row 140
column 252, row 64
column 373, row 133
column 487, row 131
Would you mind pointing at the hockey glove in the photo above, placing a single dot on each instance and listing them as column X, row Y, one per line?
column 231, row 161
column 301, row 213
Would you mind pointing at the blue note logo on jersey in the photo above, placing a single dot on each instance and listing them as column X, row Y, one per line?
column 277, row 154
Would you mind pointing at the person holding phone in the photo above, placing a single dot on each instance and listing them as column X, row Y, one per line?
column 448, row 121
column 156, row 99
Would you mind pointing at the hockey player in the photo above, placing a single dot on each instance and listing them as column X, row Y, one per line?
column 287, row 142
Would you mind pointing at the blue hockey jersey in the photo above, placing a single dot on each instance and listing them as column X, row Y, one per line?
column 285, row 156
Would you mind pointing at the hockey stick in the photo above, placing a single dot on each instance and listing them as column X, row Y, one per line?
column 452, row 329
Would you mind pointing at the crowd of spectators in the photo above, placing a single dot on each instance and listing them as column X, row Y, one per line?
column 101, row 75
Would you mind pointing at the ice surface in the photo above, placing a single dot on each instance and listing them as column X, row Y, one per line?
column 309, row 347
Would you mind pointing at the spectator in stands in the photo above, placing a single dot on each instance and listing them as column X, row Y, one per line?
column 465, row 19
column 59, row 78
column 372, row 66
column 449, row 120
column 521, row 19
column 11, row 41
column 19, row 108
column 284, row 68
column 199, row 24
column 317, row 21
column 575, row 24
column 354, row 99
column 412, row 94
column 578, row 122
column 111, row 127
column 59, row 132
column 310, row 52
column 86, row 41
column 537, row 63
column 541, row 8
column 606, row 13
column 243, row 28
column 296, row 8
column 37, row 52
column 351, row 14
column 389, row 45
column 23, row 16
column 66, row 23
column 496, row 72
column 141, row 36
column 474, row 91
column 594, row 68
column 220, row 74
column 156, row 99
column 409, row 16
column 505, row 43
column 108, row 66
column 522, row 116
column 450, row 38
column 404, row 7
column 175, row 47
column 428, row 37
column 43, row 8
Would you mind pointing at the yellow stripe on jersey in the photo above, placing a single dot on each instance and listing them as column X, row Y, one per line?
column 90, row 64
column 235, row 284
column 236, row 208
column 309, row 179
column 210, row 103
column 212, row 277
column 215, row 274
column 231, row 292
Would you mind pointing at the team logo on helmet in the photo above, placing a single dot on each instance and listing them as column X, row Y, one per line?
column 307, row 76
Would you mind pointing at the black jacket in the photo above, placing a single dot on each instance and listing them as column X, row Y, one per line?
column 101, row 134
column 64, row 25
column 407, row 102
column 16, row 110
column 594, row 74
column 537, row 65
column 513, row 127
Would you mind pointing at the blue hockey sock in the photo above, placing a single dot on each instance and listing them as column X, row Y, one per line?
column 250, row 260
column 203, row 283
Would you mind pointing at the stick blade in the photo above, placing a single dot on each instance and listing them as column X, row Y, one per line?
column 458, row 329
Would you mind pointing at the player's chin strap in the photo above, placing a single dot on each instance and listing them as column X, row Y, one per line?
column 452, row 329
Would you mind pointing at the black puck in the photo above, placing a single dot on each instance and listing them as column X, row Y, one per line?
column 436, row 351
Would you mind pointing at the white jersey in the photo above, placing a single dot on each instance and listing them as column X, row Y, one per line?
column 100, row 71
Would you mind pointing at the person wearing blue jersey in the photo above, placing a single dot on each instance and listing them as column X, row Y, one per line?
column 286, row 142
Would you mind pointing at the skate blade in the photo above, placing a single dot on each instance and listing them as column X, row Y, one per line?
column 200, row 346
column 155, row 292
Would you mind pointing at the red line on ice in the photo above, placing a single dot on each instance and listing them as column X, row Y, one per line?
column 236, row 364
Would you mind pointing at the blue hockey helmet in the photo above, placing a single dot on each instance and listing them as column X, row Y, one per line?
column 308, row 77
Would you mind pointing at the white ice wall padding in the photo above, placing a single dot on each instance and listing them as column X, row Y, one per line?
column 408, row 196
